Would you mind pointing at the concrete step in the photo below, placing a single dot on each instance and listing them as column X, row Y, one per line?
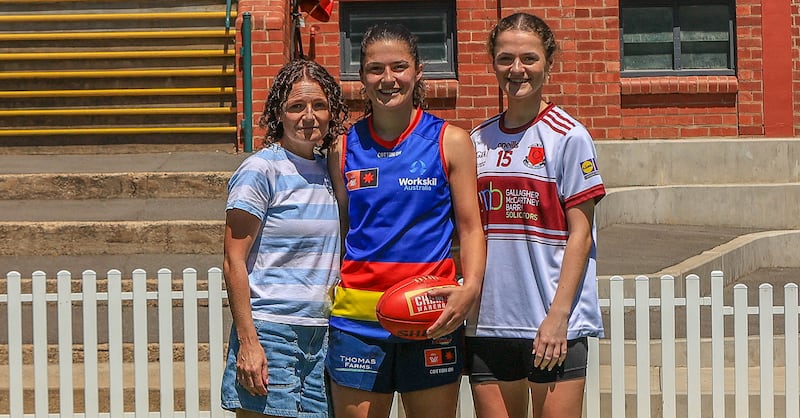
column 199, row 369
column 104, row 186
column 40, row 212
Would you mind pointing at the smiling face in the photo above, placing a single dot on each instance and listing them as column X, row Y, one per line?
column 520, row 64
column 389, row 74
column 305, row 118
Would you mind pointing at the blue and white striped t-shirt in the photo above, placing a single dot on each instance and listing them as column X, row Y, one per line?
column 294, row 262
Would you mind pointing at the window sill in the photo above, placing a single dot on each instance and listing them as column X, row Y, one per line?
column 437, row 89
column 679, row 85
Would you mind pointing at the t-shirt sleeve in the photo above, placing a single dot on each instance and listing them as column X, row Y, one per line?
column 580, row 178
column 250, row 187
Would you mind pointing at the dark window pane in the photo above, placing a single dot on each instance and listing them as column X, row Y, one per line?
column 648, row 56
column 705, row 42
column 647, row 24
column 704, row 55
column 676, row 36
column 647, row 38
column 430, row 22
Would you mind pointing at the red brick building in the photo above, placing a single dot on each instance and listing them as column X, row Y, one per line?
column 615, row 95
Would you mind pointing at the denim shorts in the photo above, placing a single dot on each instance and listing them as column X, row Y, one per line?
column 295, row 360
column 386, row 366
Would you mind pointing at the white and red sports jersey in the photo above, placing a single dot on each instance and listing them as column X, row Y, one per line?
column 527, row 178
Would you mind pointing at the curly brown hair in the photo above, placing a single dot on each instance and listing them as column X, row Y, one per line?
column 393, row 32
column 279, row 92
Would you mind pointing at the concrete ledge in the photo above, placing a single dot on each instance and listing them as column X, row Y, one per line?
column 767, row 206
column 743, row 255
column 699, row 161
column 140, row 185
column 81, row 238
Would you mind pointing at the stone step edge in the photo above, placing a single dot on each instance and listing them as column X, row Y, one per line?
column 111, row 237
column 132, row 185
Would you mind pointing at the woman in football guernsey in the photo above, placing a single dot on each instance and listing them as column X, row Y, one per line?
column 282, row 251
column 406, row 182
column 538, row 184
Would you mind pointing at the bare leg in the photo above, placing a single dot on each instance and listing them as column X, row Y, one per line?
column 562, row 399
column 356, row 403
column 438, row 402
column 241, row 413
column 501, row 399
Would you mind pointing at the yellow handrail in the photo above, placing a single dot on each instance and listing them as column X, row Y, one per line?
column 16, row 75
column 119, row 111
column 185, row 53
column 56, row 36
column 81, row 17
column 118, row 92
column 120, row 131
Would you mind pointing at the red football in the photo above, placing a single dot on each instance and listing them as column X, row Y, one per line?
column 407, row 311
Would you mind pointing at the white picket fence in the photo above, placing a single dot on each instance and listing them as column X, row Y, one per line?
column 689, row 375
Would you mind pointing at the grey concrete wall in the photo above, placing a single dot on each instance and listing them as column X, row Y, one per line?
column 700, row 161
column 768, row 206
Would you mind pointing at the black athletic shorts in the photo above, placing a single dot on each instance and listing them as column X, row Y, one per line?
column 509, row 359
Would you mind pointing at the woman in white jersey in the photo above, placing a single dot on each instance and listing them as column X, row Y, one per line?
column 281, row 247
column 538, row 184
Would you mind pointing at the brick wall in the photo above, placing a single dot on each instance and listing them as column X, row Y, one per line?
column 796, row 64
column 585, row 79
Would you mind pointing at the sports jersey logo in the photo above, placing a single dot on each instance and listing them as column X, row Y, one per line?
column 418, row 167
column 420, row 303
column 362, row 179
column 535, row 158
column 589, row 168
column 440, row 356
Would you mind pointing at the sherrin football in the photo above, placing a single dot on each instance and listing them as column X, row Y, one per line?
column 406, row 310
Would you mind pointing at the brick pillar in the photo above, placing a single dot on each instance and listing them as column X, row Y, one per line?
column 749, row 51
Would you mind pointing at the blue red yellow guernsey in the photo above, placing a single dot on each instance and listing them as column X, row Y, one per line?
column 401, row 217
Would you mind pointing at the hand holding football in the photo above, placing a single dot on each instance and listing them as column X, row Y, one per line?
column 406, row 310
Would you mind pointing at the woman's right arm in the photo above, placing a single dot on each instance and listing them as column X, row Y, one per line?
column 241, row 229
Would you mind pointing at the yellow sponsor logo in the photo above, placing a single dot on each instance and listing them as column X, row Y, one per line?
column 587, row 166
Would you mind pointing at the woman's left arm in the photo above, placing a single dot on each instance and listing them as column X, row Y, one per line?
column 550, row 344
column 459, row 154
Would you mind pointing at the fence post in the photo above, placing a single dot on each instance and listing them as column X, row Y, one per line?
column 616, row 287
column 190, row 358
column 693, row 346
column 668, row 395
column 39, row 297
column 791, row 332
column 765, row 331
column 717, row 345
column 643, row 346
column 90, row 386
column 140, row 342
column 116, row 391
column 165, row 341
column 65, row 395
column 740, row 341
column 216, row 355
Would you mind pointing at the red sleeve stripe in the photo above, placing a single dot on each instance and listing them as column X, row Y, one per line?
column 597, row 192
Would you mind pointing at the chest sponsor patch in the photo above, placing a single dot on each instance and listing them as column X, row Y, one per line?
column 362, row 179
column 589, row 168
